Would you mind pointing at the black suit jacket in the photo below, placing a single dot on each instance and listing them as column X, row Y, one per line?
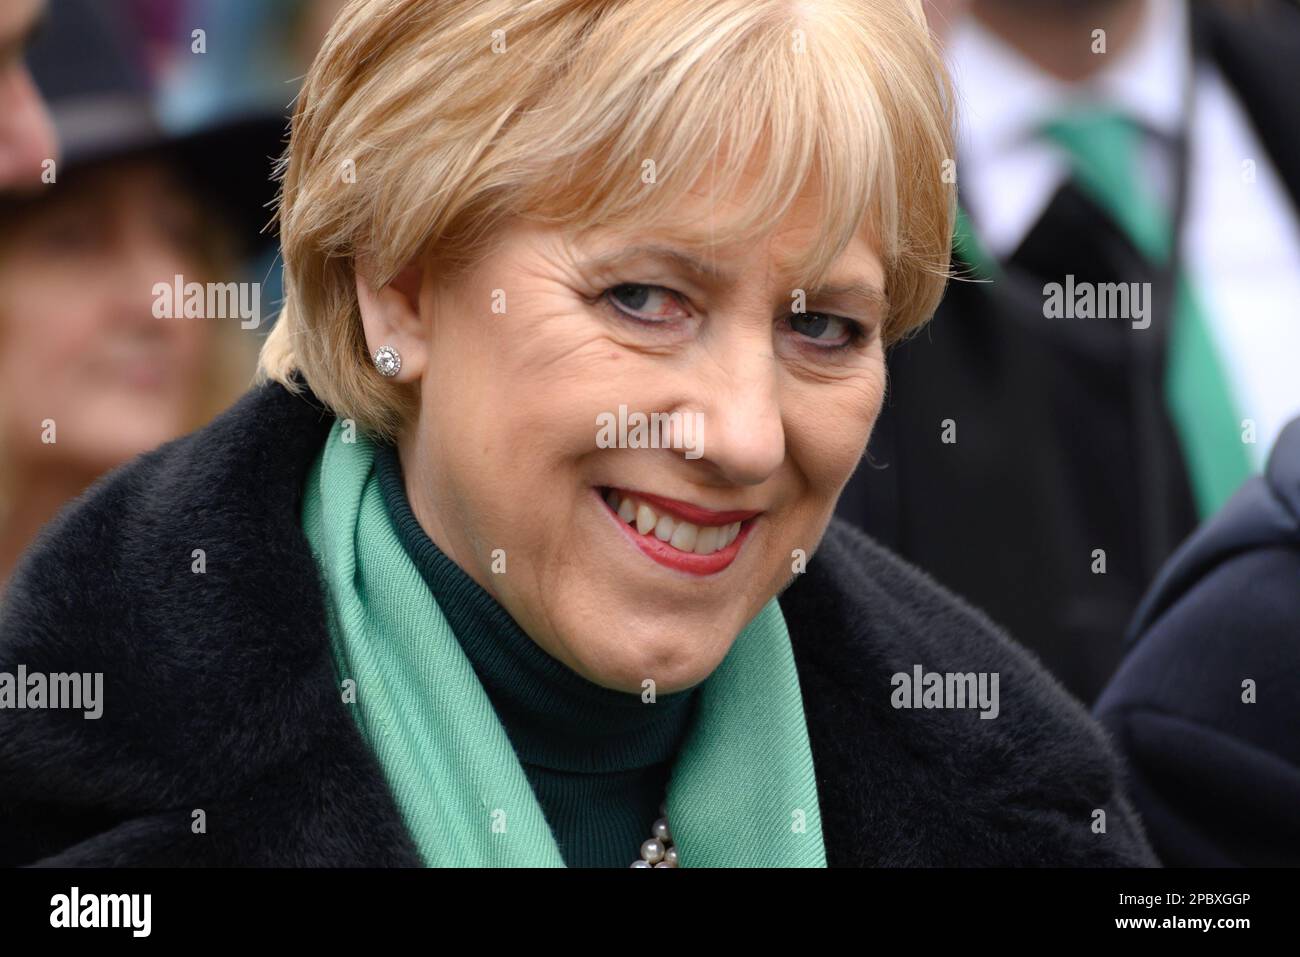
column 1215, row 761
column 1064, row 446
column 219, row 693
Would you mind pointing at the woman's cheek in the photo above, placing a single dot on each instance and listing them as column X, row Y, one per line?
column 831, row 425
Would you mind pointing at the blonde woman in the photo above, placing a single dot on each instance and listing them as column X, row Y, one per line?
column 434, row 593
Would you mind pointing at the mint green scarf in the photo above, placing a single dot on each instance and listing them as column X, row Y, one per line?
column 742, row 791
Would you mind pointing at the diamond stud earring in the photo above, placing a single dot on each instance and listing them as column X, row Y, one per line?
column 388, row 361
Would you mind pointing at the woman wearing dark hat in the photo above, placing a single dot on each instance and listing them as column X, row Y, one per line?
column 522, row 553
column 90, row 374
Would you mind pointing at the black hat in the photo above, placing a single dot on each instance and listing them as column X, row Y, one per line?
column 90, row 69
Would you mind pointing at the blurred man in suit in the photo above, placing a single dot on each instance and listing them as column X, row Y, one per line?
column 1130, row 176
column 26, row 133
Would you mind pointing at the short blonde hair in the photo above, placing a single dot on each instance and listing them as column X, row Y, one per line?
column 424, row 124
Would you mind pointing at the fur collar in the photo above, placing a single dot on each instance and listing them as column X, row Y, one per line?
column 219, row 696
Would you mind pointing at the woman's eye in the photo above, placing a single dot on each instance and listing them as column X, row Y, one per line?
column 646, row 303
column 180, row 226
column 826, row 330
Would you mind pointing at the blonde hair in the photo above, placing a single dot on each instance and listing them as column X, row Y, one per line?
column 423, row 125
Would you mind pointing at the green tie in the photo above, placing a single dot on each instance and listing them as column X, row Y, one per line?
column 1103, row 148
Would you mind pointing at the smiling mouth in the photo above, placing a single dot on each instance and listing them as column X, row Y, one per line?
column 676, row 534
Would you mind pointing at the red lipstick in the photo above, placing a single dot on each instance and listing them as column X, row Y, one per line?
column 685, row 510
column 675, row 558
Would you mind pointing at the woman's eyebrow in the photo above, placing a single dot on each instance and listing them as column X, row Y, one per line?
column 866, row 293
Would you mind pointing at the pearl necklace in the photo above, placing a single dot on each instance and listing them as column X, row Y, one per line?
column 659, row 850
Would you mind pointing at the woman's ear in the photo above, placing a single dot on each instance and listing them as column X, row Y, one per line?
column 391, row 316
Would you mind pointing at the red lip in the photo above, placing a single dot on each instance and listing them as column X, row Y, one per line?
column 688, row 562
column 685, row 510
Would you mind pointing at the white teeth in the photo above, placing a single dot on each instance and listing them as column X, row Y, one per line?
column 645, row 519
column 684, row 536
column 707, row 541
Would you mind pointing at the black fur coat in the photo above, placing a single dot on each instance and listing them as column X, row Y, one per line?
column 219, row 694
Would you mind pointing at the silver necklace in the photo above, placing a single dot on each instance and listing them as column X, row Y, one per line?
column 659, row 850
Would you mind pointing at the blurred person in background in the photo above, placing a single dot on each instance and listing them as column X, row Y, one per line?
column 26, row 134
column 1204, row 707
column 89, row 375
column 1046, row 466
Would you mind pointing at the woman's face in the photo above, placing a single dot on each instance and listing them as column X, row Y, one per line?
column 510, row 468
column 79, row 344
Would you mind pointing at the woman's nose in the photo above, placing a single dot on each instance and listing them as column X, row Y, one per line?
column 744, row 437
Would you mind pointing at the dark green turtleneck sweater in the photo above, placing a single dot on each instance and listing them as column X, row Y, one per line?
column 597, row 759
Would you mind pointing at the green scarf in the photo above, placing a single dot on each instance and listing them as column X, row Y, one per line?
column 742, row 793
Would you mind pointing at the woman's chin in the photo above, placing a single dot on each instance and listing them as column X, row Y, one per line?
column 658, row 658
